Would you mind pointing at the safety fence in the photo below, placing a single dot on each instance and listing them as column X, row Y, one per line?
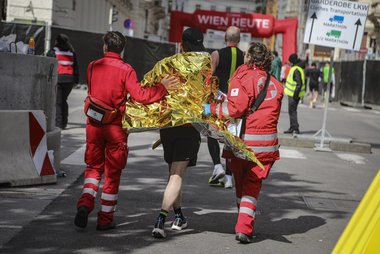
column 352, row 77
column 142, row 54
column 139, row 53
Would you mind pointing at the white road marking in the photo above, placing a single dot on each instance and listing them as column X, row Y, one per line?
column 352, row 109
column 11, row 226
column 354, row 158
column 208, row 211
column 76, row 158
column 291, row 154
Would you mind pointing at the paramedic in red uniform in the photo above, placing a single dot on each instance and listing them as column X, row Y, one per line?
column 68, row 75
column 259, row 133
column 111, row 80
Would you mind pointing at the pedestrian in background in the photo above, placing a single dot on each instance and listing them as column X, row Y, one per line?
column 315, row 76
column 68, row 75
column 181, row 145
column 325, row 71
column 259, row 132
column 295, row 90
column 224, row 62
column 284, row 72
column 110, row 80
column 276, row 66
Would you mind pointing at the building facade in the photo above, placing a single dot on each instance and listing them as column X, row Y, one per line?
column 150, row 19
column 147, row 17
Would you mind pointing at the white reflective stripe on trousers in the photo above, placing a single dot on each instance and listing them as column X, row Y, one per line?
column 259, row 137
column 66, row 62
column 247, row 210
column 263, row 149
column 90, row 191
column 249, row 199
column 108, row 208
column 109, row 197
column 92, row 181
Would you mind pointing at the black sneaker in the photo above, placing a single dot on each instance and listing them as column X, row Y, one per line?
column 289, row 131
column 101, row 227
column 81, row 217
column 243, row 238
column 296, row 131
column 179, row 223
column 159, row 229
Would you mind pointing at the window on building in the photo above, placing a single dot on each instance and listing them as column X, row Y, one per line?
column 243, row 10
column 213, row 7
column 197, row 6
column 228, row 9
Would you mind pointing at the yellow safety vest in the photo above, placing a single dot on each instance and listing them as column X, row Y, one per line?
column 291, row 84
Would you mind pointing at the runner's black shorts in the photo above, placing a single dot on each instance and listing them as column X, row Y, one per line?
column 180, row 144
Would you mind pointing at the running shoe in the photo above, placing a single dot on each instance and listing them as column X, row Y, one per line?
column 179, row 223
column 159, row 229
column 217, row 174
column 228, row 182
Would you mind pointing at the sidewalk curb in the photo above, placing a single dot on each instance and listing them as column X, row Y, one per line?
column 355, row 147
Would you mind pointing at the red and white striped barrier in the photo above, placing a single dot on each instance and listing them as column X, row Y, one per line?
column 24, row 158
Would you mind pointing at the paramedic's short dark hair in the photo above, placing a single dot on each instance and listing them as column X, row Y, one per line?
column 114, row 41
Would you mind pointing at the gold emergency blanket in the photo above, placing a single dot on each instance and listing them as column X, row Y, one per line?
column 184, row 105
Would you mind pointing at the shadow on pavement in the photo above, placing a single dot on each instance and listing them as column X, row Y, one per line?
column 210, row 211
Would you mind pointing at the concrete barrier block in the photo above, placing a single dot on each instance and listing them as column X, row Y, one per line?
column 23, row 151
column 29, row 82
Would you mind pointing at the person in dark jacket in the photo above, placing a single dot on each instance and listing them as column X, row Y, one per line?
column 181, row 145
column 224, row 62
column 68, row 75
column 295, row 90
column 315, row 76
column 276, row 66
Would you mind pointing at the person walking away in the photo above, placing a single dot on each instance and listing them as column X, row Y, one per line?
column 276, row 66
column 68, row 75
column 110, row 80
column 181, row 145
column 224, row 62
column 295, row 90
column 259, row 131
column 325, row 72
column 314, row 75
column 284, row 72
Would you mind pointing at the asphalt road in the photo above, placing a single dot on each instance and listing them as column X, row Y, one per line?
column 304, row 206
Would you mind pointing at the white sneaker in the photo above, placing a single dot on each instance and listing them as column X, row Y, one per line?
column 217, row 174
column 228, row 182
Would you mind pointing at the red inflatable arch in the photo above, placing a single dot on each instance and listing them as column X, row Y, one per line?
column 259, row 25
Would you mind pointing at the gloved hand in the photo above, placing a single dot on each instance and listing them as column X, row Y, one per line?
column 206, row 109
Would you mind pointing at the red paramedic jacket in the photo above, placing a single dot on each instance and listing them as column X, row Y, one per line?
column 65, row 61
column 112, row 80
column 260, row 131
